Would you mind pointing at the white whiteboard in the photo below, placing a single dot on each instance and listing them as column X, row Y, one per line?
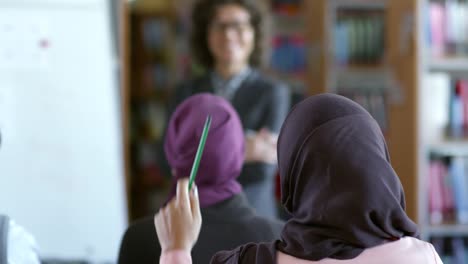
column 61, row 162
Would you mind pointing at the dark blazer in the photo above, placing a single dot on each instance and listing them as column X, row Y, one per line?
column 225, row 225
column 261, row 102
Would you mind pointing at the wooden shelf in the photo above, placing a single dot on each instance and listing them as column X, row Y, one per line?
column 363, row 77
column 362, row 68
column 288, row 24
column 293, row 76
column 448, row 64
column 446, row 230
column 450, row 147
column 360, row 4
column 153, row 7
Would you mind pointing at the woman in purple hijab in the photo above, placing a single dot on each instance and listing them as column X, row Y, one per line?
column 223, row 155
column 346, row 202
column 228, row 219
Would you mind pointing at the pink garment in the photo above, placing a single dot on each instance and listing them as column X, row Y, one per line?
column 176, row 257
column 407, row 250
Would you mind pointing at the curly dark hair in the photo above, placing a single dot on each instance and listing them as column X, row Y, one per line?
column 204, row 12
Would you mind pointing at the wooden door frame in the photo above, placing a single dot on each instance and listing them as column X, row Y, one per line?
column 123, row 21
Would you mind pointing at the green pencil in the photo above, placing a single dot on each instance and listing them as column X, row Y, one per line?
column 198, row 156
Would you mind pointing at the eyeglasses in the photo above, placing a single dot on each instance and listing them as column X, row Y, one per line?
column 237, row 26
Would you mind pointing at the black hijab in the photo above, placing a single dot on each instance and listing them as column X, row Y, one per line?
column 337, row 183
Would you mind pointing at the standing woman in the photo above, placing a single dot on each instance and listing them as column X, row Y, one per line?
column 228, row 41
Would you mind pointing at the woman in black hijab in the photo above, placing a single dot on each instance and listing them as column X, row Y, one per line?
column 346, row 201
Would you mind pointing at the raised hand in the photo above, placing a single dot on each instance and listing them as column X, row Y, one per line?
column 178, row 224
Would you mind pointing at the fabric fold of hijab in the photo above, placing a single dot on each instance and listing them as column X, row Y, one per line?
column 223, row 155
column 337, row 182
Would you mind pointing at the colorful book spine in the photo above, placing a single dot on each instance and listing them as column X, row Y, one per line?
column 341, row 43
column 458, row 251
column 286, row 7
column 359, row 38
column 436, row 204
column 437, row 28
column 447, row 193
column 462, row 86
column 451, row 7
column 456, row 111
column 289, row 54
column 460, row 188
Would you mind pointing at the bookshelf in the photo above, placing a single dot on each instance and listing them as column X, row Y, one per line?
column 443, row 148
column 152, row 70
column 380, row 73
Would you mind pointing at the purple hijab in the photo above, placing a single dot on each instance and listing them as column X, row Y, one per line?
column 337, row 183
column 223, row 155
